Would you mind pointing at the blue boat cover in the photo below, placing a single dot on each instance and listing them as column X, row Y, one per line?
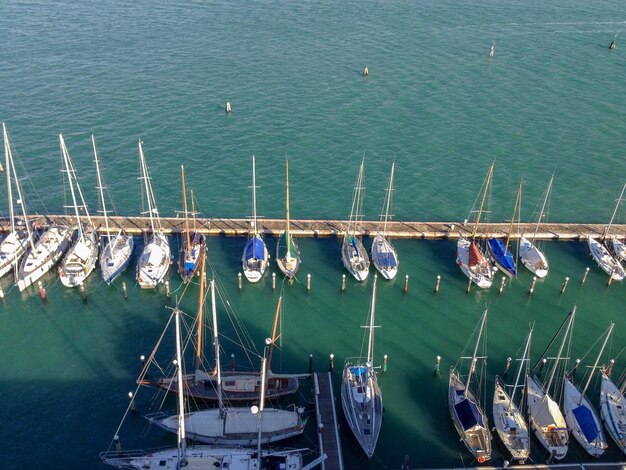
column 255, row 249
column 468, row 414
column 503, row 256
column 353, row 241
column 387, row 260
column 587, row 423
column 358, row 371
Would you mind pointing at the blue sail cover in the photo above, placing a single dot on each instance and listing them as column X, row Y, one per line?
column 255, row 249
column 502, row 255
column 353, row 241
column 387, row 260
column 468, row 414
column 587, row 423
column 358, row 371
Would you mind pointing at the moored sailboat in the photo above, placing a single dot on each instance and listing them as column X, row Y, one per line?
column 384, row 255
column 530, row 253
column 613, row 409
column 193, row 246
column 361, row 397
column 617, row 245
column 287, row 251
column 255, row 256
column 353, row 253
column 499, row 252
column 467, row 413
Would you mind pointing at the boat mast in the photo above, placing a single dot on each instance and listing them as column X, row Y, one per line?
column 181, row 397
column 71, row 175
column 144, row 173
column 388, row 198
column 596, row 364
column 480, row 332
column 200, row 343
column 558, row 356
column 519, row 371
column 7, row 153
column 482, row 202
column 261, row 407
column 606, row 230
column 517, row 201
column 193, row 211
column 288, row 237
column 216, row 344
column 254, row 197
column 182, row 171
column 101, row 190
column 356, row 203
column 370, row 343
column 274, row 337
column 543, row 207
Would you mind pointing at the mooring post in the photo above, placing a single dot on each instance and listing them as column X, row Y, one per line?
column 469, row 286
column 508, row 365
column 610, row 368
column 118, row 444
column 576, row 364
column 343, row 282
column 532, row 285
column 437, row 361
column 232, row 362
column 82, row 291
column 142, row 359
column 239, row 281
column 502, row 284
column 585, row 276
column 331, row 366
column 42, row 290
column 308, row 282
column 564, row 285
column 543, row 364
column 133, row 407
column 273, row 281
column 124, row 291
column 1, row 294
column 167, row 289
column 385, row 363
column 310, row 363
column 608, row 283
column 437, row 284
column 406, row 283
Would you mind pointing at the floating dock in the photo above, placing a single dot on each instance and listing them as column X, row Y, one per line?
column 329, row 440
column 336, row 228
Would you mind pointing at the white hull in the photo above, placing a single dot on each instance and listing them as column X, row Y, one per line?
column 234, row 426
column 384, row 257
column 254, row 268
column 546, row 420
column 573, row 400
column 613, row 411
column 619, row 248
column 12, row 248
column 80, row 259
column 510, row 424
column 532, row 258
column 356, row 260
column 48, row 250
column 480, row 274
column 154, row 262
column 114, row 258
column 609, row 265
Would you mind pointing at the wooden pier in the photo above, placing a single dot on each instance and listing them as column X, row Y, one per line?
column 329, row 441
column 336, row 228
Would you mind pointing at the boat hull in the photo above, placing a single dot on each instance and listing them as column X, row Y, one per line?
column 12, row 248
column 582, row 419
column 619, row 248
column 502, row 257
column 288, row 260
column 80, row 259
column 189, row 259
column 613, row 411
column 384, row 257
column 480, row 274
column 115, row 259
column 255, row 259
column 605, row 260
column 354, row 258
column 154, row 262
column 533, row 259
column 510, row 424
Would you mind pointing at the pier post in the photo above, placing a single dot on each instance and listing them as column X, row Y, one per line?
column 331, row 365
column 437, row 362
column 308, row 282
column 469, row 286
column 228, row 108
column 42, row 290
column 273, row 281
column 506, row 368
column 502, row 285
column 564, row 285
column 532, row 285
column 543, row 364
column 343, row 282
column 310, row 363
column 576, row 364
column 385, row 363
column 232, row 362
column 406, row 283
column 585, row 276
column 608, row 283
column 437, row 284
column 167, row 289
column 142, row 359
column 82, row 292
column 118, row 444
column 133, row 407
column 610, row 368
column 239, row 281
column 1, row 294
column 124, row 291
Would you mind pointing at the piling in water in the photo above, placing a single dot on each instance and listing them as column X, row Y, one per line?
column 82, row 292
column 543, row 364
column 437, row 362
column 42, row 290
column 167, row 289
column 437, row 284
column 331, row 365
column 308, row 282
column 310, row 363
column 406, row 283
column 273, row 281
column 610, row 368
column 232, row 362
column 576, row 364
column 508, row 365
column 132, row 401
column 239, row 281
column 585, row 276
column 608, row 283
column 385, row 363
column 564, row 285
column 469, row 286
column 118, row 444
column 502, row 284
column 124, row 291
column 343, row 282
column 532, row 285
column 1, row 294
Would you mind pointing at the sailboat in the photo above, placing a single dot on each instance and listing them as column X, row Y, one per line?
column 469, row 255
column 255, row 256
column 530, row 254
column 499, row 252
column 361, row 397
column 20, row 236
column 601, row 253
column 201, row 456
column 80, row 259
column 618, row 246
column 194, row 244
column 116, row 249
column 353, row 253
column 508, row 419
column 154, row 261
column 233, row 425
column 467, row 413
column 287, row 252
column 580, row 414
column 545, row 417
column 384, row 255
column 613, row 409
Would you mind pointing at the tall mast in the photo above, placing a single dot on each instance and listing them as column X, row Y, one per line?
column 521, row 366
column 388, row 198
column 182, row 171
column 472, row 366
column 558, row 356
column 7, row 154
column 261, row 407
column 596, row 363
column 254, row 196
column 274, row 337
column 356, row 203
column 101, row 190
column 200, row 343
column 193, row 211
column 288, row 238
column 144, row 173
column 370, row 343
column 181, row 397
column 216, row 344
column 482, row 202
column 606, row 230
column 543, row 207
column 71, row 176
column 517, row 198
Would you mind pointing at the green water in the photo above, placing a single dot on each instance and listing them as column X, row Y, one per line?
column 551, row 100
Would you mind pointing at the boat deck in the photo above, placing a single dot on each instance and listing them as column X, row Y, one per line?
column 327, row 426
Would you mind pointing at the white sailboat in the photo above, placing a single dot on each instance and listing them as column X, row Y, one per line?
column 384, row 255
column 530, row 253
column 613, row 409
column 233, row 425
column 508, row 419
column 618, row 246
column 600, row 249
column 20, row 236
column 155, row 258
column 467, row 413
column 353, row 253
column 469, row 256
column 580, row 414
column 193, row 247
column 287, row 251
column 361, row 397
column 545, row 417
column 116, row 249
column 200, row 456
column 80, row 259
column 255, row 256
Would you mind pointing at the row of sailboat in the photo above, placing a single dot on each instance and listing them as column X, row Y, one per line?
column 530, row 404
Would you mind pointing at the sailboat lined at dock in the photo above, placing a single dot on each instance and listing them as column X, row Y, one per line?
column 499, row 251
column 287, row 251
column 353, row 254
column 613, row 408
column 255, row 258
column 384, row 255
column 193, row 245
column 530, row 253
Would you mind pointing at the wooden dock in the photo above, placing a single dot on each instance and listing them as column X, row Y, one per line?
column 336, row 228
column 329, row 441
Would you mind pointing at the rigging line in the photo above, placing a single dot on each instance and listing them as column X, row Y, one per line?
column 551, row 342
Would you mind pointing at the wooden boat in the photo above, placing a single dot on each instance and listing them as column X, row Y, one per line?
column 469, row 256
column 508, row 419
column 384, row 255
column 353, row 254
column 117, row 248
column 255, row 256
column 469, row 419
column 361, row 397
column 499, row 251
column 155, row 258
column 580, row 414
column 530, row 253
column 194, row 244
column 80, row 260
column 613, row 409
column 287, row 251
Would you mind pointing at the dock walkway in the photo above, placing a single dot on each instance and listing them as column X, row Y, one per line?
column 328, row 437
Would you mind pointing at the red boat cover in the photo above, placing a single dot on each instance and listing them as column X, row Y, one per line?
column 474, row 255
